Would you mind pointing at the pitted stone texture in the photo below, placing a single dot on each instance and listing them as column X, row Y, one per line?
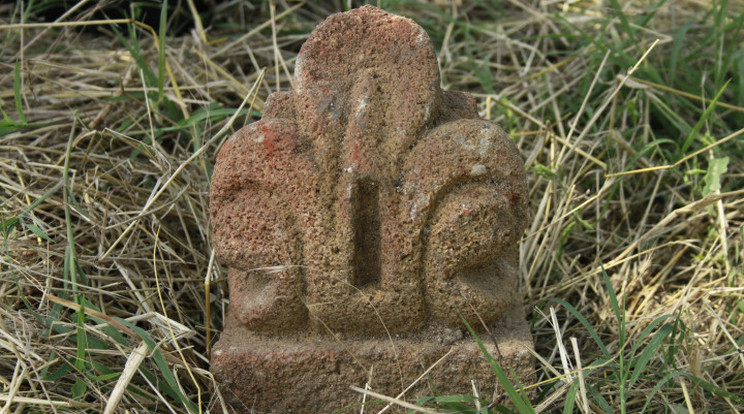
column 366, row 203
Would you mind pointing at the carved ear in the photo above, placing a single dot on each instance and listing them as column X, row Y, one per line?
column 467, row 199
column 258, row 238
column 263, row 190
column 470, row 252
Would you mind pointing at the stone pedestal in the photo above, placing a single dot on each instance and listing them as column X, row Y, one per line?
column 362, row 218
column 313, row 373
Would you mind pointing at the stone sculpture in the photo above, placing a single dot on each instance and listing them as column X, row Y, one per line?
column 361, row 219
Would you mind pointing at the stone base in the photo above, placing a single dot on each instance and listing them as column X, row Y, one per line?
column 313, row 374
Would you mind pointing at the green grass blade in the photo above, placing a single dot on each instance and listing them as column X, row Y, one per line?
column 504, row 410
column 674, row 56
column 568, row 405
column 17, row 93
column 624, row 23
column 72, row 201
column 619, row 312
column 662, row 382
column 171, row 385
column 112, row 332
column 134, row 48
column 81, row 339
column 699, row 382
column 36, row 230
column 739, row 71
column 42, row 198
column 647, row 331
column 78, row 390
column 71, row 265
column 708, row 111
column 649, row 14
column 670, row 115
column 712, row 388
column 593, row 333
column 6, row 118
column 9, row 127
column 105, row 377
column 161, row 47
column 719, row 17
column 598, row 399
column 521, row 403
column 649, row 351
column 7, row 226
column 621, row 332
column 59, row 373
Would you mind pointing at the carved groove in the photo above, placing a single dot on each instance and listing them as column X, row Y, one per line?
column 367, row 263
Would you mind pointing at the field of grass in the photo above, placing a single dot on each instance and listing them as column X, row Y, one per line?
column 629, row 114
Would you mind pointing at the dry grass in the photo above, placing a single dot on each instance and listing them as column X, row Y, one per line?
column 105, row 178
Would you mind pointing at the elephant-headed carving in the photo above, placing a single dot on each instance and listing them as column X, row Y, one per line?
column 368, row 200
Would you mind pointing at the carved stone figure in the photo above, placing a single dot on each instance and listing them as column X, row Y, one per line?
column 362, row 219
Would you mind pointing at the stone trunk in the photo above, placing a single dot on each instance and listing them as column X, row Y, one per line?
column 362, row 218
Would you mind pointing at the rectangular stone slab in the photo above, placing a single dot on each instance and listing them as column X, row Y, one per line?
column 313, row 374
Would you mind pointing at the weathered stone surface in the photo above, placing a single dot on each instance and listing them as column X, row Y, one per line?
column 359, row 218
